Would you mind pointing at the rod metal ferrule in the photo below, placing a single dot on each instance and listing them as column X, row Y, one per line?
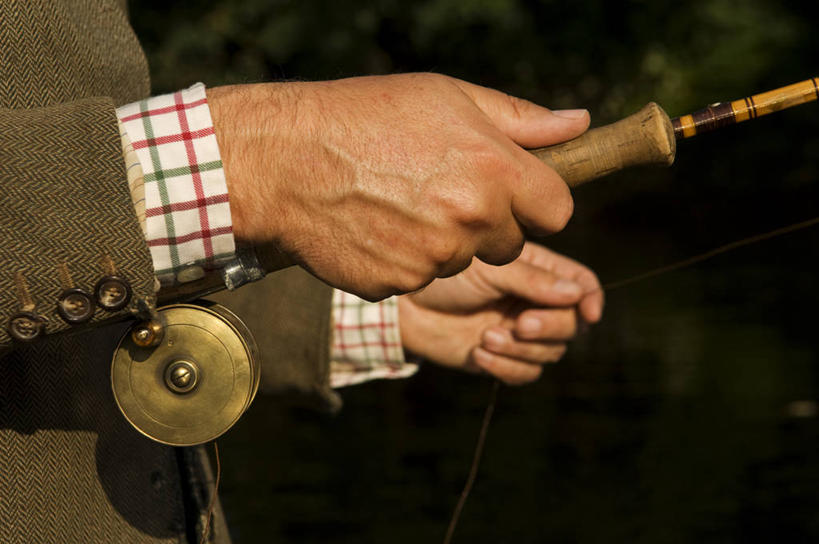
column 245, row 268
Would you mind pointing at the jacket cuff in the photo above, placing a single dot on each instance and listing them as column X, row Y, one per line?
column 67, row 220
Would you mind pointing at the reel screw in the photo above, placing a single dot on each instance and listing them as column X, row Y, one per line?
column 147, row 334
column 181, row 376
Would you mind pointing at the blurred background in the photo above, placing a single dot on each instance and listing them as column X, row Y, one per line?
column 690, row 413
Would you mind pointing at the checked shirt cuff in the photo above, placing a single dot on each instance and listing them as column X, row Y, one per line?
column 187, row 213
column 366, row 341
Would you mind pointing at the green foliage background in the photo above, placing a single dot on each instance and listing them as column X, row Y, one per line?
column 689, row 415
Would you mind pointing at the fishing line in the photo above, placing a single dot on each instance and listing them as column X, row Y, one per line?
column 493, row 398
column 212, row 505
column 476, row 461
column 711, row 253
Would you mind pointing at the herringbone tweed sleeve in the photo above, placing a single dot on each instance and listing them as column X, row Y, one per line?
column 64, row 199
column 64, row 203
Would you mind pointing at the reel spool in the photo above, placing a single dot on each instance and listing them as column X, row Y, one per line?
column 194, row 383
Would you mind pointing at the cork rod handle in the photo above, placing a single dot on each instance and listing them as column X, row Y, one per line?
column 643, row 138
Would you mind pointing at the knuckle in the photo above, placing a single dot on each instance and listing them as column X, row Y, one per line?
column 470, row 201
column 503, row 245
column 376, row 295
column 410, row 281
column 518, row 107
column 558, row 206
column 490, row 160
column 512, row 247
column 445, row 248
column 435, row 82
column 454, row 266
column 442, row 250
column 449, row 255
column 434, row 77
column 499, row 254
column 564, row 209
column 474, row 211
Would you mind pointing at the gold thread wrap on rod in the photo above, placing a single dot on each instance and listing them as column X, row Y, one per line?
column 723, row 114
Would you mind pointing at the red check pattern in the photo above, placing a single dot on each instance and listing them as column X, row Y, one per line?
column 187, row 209
column 366, row 341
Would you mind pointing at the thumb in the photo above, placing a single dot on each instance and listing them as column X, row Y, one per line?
column 526, row 123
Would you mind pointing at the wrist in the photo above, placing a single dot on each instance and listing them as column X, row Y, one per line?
column 251, row 124
column 418, row 327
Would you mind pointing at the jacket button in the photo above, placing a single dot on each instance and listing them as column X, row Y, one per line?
column 26, row 326
column 113, row 293
column 75, row 306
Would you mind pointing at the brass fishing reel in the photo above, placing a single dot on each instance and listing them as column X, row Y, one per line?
column 189, row 380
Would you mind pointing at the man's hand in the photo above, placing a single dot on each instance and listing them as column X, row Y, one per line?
column 505, row 320
column 378, row 185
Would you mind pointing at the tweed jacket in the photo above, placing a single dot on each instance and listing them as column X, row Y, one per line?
column 71, row 467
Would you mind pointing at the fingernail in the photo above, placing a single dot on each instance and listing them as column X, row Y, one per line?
column 494, row 338
column 566, row 287
column 529, row 325
column 571, row 114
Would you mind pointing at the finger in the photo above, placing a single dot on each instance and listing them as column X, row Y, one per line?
column 501, row 342
column 534, row 284
column 591, row 306
column 546, row 324
column 562, row 265
column 541, row 200
column 526, row 123
column 503, row 245
column 505, row 369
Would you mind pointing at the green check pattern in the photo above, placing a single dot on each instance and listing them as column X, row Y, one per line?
column 187, row 210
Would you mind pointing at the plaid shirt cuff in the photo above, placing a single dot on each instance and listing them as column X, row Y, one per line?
column 366, row 341
column 187, row 213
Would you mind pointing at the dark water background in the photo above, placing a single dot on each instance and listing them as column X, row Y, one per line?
column 690, row 413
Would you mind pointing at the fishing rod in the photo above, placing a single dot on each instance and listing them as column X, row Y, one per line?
column 648, row 137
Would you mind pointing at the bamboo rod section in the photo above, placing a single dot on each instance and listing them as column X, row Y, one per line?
column 729, row 113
